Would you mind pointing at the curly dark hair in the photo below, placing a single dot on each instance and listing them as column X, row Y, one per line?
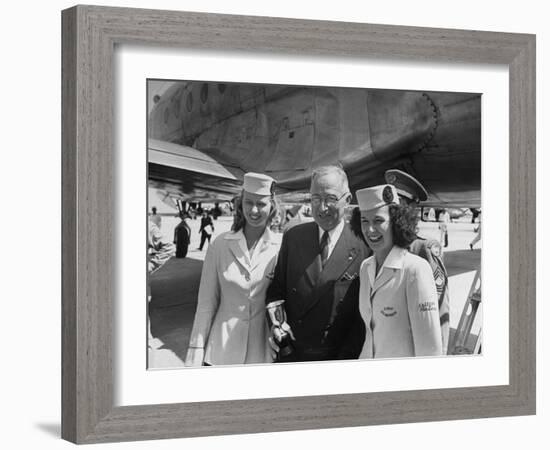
column 355, row 223
column 404, row 220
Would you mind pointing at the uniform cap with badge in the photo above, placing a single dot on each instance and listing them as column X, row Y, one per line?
column 258, row 183
column 376, row 197
column 407, row 186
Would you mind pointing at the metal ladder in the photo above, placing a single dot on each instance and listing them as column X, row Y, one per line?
column 459, row 345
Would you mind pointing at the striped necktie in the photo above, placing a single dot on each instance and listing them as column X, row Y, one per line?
column 324, row 248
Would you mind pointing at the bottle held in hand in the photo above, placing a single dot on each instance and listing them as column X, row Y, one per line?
column 280, row 330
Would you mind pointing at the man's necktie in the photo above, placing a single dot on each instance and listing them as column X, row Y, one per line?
column 324, row 248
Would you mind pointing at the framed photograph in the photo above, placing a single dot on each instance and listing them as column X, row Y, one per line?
column 199, row 130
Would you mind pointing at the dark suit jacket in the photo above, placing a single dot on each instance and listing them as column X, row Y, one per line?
column 205, row 221
column 325, row 321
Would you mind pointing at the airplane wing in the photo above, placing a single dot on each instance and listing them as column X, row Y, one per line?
column 190, row 173
column 186, row 173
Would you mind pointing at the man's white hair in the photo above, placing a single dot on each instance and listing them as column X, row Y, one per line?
column 328, row 170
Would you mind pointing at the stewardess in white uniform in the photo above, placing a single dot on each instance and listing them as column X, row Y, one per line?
column 230, row 324
column 397, row 295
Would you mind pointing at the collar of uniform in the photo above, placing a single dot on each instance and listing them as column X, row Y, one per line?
column 234, row 235
column 268, row 236
column 334, row 234
column 271, row 237
column 394, row 260
column 395, row 257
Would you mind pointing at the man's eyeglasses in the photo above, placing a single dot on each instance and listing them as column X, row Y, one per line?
column 329, row 200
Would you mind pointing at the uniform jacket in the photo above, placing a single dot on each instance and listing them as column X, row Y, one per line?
column 325, row 321
column 423, row 248
column 399, row 307
column 230, row 322
column 182, row 231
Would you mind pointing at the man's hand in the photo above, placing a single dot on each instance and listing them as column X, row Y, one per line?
column 274, row 348
column 277, row 335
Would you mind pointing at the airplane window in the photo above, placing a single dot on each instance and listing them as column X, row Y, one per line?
column 190, row 101
column 221, row 87
column 204, row 93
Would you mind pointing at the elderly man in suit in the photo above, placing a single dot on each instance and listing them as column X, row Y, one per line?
column 317, row 263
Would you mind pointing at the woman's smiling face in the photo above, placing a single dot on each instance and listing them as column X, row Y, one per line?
column 256, row 209
column 376, row 227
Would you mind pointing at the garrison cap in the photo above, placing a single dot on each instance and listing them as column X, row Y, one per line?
column 407, row 186
column 257, row 183
column 377, row 196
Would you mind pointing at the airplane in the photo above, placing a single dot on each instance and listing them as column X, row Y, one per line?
column 432, row 214
column 203, row 137
column 458, row 213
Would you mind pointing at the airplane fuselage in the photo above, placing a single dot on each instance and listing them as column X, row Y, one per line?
column 285, row 131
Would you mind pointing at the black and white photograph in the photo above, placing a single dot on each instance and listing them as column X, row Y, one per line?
column 291, row 224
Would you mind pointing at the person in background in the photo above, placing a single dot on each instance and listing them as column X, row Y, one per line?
column 182, row 236
column 206, row 229
column 397, row 296
column 411, row 192
column 155, row 218
column 216, row 211
column 294, row 216
column 477, row 237
column 278, row 222
column 230, row 324
column 317, row 264
column 475, row 213
column 159, row 249
column 444, row 220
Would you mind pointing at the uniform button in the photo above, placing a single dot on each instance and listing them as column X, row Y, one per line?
column 341, row 300
column 293, row 290
column 300, row 322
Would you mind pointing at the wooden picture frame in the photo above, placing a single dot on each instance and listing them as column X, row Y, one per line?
column 90, row 34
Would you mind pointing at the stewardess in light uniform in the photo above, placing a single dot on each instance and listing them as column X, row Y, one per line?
column 230, row 323
column 411, row 192
column 397, row 295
